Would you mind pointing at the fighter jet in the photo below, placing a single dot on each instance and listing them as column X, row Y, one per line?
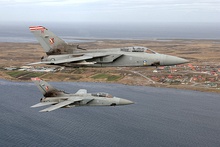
column 61, row 53
column 60, row 99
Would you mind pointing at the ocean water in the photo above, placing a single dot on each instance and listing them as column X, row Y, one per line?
column 72, row 32
column 159, row 117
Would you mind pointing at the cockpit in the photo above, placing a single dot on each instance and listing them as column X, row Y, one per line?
column 138, row 49
column 102, row 94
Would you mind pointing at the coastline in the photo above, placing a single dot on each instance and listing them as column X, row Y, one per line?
column 202, row 53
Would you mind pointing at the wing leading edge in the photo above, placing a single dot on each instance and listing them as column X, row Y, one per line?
column 43, row 104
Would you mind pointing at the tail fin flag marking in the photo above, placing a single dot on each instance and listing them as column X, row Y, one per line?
column 45, row 88
column 33, row 28
column 35, row 79
column 51, row 43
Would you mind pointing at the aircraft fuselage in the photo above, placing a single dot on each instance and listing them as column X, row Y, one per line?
column 89, row 100
column 118, row 57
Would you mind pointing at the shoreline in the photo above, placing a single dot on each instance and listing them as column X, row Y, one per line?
column 203, row 55
column 179, row 87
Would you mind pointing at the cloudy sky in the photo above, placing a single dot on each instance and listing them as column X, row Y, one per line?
column 115, row 11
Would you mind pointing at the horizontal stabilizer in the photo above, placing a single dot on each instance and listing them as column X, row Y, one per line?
column 43, row 104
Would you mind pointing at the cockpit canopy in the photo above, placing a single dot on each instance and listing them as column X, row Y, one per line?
column 102, row 94
column 138, row 49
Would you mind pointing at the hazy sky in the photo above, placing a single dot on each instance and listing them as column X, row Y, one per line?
column 115, row 11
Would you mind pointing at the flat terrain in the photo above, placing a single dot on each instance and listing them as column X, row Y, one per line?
column 201, row 53
column 197, row 51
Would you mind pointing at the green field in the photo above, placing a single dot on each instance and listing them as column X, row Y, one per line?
column 24, row 74
column 108, row 77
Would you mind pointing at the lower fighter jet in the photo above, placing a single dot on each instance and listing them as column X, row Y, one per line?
column 60, row 99
column 64, row 54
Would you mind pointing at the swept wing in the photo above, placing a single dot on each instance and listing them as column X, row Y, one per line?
column 61, row 104
column 74, row 59
column 77, row 59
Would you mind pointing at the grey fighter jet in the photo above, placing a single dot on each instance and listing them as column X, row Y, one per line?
column 61, row 53
column 60, row 99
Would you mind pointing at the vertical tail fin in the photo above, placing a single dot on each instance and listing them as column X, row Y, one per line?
column 51, row 43
column 46, row 89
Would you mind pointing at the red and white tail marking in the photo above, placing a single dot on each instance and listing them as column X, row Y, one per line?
column 35, row 79
column 33, row 28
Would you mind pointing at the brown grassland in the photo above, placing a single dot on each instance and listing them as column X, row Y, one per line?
column 199, row 52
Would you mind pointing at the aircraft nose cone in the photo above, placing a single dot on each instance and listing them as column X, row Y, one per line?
column 172, row 60
column 125, row 102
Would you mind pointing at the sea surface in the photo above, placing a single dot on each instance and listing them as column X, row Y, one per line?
column 78, row 32
column 159, row 117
